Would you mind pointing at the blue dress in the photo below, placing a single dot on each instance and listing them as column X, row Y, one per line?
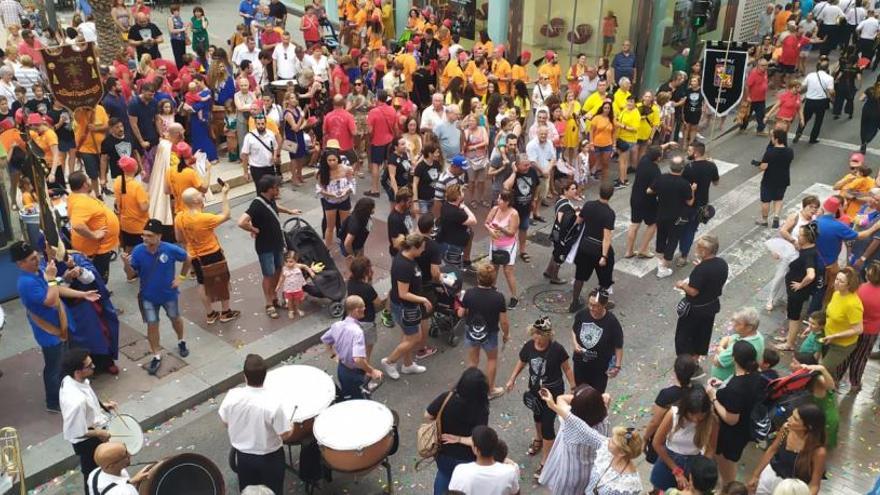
column 296, row 136
column 200, row 129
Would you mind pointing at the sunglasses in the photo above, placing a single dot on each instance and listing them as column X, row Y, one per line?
column 358, row 84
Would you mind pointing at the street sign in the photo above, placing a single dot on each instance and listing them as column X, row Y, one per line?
column 724, row 75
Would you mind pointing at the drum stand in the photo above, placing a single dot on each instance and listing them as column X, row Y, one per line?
column 384, row 463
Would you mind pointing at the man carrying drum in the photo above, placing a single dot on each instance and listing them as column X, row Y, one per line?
column 257, row 429
column 111, row 478
column 83, row 414
column 346, row 340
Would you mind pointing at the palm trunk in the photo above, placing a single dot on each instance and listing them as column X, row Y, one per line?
column 110, row 44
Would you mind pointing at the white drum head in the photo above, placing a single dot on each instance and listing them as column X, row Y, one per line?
column 307, row 388
column 125, row 429
column 282, row 84
column 353, row 424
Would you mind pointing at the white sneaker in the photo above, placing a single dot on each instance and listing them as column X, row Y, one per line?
column 390, row 369
column 413, row 369
column 663, row 272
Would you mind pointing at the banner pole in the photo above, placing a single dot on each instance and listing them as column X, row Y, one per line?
column 720, row 89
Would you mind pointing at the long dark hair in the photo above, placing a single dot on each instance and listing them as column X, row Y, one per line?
column 685, row 368
column 455, row 88
column 813, row 419
column 696, row 401
column 473, row 388
column 363, row 209
column 745, row 355
column 588, row 405
column 520, row 89
column 324, row 167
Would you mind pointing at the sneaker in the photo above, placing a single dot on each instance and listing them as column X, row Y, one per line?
column 539, row 219
column 182, row 350
column 619, row 185
column 385, row 316
column 513, row 302
column 425, row 352
column 212, row 317
column 663, row 272
column 558, row 281
column 775, row 223
column 227, row 316
column 106, row 190
column 413, row 369
column 153, row 367
column 390, row 369
column 681, row 261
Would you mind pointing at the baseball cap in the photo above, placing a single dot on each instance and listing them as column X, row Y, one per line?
column 128, row 164
column 35, row 119
column 460, row 162
column 183, row 150
column 20, row 251
column 332, row 144
column 831, row 205
column 155, row 226
column 857, row 157
column 549, row 55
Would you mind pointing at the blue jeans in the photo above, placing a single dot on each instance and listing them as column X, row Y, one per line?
column 662, row 478
column 52, row 357
column 350, row 381
column 445, row 466
column 688, row 233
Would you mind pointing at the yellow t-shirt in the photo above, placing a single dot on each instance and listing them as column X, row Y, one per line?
column 501, row 69
column 841, row 314
column 179, row 182
column 45, row 142
column 593, row 103
column 90, row 142
column 648, row 122
column 518, row 73
column 479, row 82
column 88, row 211
column 198, row 230
column 131, row 217
column 629, row 118
column 554, row 72
column 409, row 65
column 450, row 72
column 619, row 101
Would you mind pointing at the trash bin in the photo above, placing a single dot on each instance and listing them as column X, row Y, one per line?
column 31, row 227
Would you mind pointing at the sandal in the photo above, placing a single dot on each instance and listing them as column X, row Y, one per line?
column 646, row 255
column 535, row 447
column 537, row 474
column 270, row 310
column 629, row 255
column 525, row 257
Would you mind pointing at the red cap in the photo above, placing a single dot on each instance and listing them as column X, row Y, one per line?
column 410, row 45
column 525, row 56
column 183, row 150
column 355, row 53
column 35, row 119
column 831, row 205
column 857, row 157
column 549, row 55
column 6, row 124
column 447, row 23
column 128, row 164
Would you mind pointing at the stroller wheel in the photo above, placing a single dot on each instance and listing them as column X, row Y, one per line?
column 336, row 310
column 453, row 340
column 433, row 331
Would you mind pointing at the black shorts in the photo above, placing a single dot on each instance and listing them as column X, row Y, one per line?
column 91, row 164
column 693, row 118
column 795, row 305
column 770, row 192
column 208, row 259
column 129, row 240
column 328, row 206
column 379, row 154
column 641, row 212
column 786, row 69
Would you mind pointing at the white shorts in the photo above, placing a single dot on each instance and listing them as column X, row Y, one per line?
column 510, row 249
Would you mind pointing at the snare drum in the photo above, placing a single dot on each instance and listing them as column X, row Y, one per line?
column 306, row 389
column 355, row 435
column 188, row 473
column 124, row 429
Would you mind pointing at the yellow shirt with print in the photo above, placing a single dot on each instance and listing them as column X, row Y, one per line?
column 649, row 122
column 630, row 119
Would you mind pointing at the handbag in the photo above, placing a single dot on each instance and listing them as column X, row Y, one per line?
column 454, row 255
column 428, row 434
column 683, row 308
column 411, row 315
column 289, row 146
column 500, row 257
column 533, row 402
column 705, row 213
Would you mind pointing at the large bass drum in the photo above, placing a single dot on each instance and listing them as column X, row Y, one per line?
column 188, row 473
column 355, row 435
column 304, row 392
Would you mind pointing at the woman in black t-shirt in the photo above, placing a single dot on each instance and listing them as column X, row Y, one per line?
column 454, row 223
column 547, row 362
column 486, row 313
column 425, row 175
column 467, row 407
column 693, row 109
column 564, row 217
column 800, row 282
column 733, row 404
column 356, row 228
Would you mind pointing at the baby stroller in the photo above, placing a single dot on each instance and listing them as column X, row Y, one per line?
column 328, row 284
column 445, row 299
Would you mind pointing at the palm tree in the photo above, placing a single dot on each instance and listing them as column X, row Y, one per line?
column 110, row 44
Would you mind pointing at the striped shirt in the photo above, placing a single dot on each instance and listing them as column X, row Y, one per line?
column 11, row 12
column 444, row 181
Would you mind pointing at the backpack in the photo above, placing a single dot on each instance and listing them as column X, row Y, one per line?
column 777, row 401
column 760, row 424
column 783, row 386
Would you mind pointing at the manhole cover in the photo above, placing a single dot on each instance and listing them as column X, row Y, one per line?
column 553, row 301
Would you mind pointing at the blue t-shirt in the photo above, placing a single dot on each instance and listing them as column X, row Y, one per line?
column 624, row 66
column 146, row 115
column 156, row 271
column 32, row 288
column 248, row 8
column 831, row 234
column 85, row 7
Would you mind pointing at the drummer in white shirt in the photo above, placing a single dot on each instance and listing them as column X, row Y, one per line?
column 346, row 339
column 111, row 478
column 484, row 476
column 257, row 429
column 83, row 414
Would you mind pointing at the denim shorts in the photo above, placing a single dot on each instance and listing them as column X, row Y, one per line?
column 151, row 310
column 397, row 316
column 270, row 263
column 488, row 345
column 604, row 149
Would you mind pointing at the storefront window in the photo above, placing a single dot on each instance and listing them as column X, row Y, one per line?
column 676, row 25
column 571, row 27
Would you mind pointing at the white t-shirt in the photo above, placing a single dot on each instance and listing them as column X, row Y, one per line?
column 80, row 409
column 830, row 14
column 259, row 154
column 255, row 419
column 320, row 66
column 542, row 155
column 819, row 85
column 430, row 118
column 241, row 53
column 473, row 479
column 287, row 66
column 868, row 28
column 89, row 31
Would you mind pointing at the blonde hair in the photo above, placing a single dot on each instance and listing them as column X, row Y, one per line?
column 486, row 274
column 628, row 441
column 414, row 240
column 453, row 193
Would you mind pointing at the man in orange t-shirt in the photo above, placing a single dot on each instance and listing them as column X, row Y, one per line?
column 93, row 225
column 551, row 69
column 89, row 133
column 518, row 71
column 501, row 70
column 133, row 206
column 45, row 138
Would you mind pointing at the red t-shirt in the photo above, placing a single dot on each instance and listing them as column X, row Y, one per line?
column 270, row 37
column 339, row 124
column 340, row 75
column 310, row 28
column 791, row 49
column 789, row 103
column 757, row 84
column 383, row 121
column 870, row 296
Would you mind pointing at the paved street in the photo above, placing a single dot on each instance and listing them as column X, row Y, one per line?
column 645, row 306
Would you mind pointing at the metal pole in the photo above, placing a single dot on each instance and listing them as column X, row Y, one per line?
column 571, row 41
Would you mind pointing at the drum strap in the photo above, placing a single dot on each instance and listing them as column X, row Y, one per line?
column 95, row 484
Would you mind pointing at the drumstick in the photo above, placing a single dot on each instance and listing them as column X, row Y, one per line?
column 295, row 407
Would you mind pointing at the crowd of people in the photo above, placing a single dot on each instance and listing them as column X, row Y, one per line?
column 462, row 141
